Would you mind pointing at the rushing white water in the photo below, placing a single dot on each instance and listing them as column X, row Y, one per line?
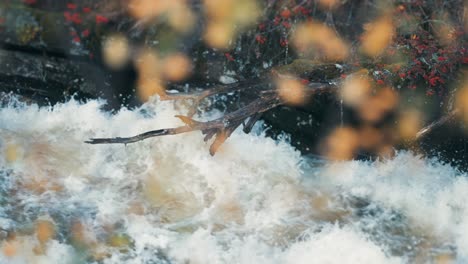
column 166, row 200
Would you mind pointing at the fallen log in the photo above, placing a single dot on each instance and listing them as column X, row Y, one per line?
column 49, row 79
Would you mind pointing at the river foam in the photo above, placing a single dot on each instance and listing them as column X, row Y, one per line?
column 166, row 200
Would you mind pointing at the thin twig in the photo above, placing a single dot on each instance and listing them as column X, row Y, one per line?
column 140, row 137
column 441, row 121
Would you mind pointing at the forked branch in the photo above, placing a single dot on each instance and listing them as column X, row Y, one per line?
column 222, row 127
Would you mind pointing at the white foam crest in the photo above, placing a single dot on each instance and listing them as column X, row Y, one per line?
column 336, row 245
column 255, row 201
column 428, row 192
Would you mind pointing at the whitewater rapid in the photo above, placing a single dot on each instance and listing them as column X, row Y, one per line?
column 166, row 200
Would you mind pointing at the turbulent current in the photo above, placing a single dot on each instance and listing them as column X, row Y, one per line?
column 166, row 200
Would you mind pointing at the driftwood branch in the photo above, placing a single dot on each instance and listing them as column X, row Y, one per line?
column 222, row 127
